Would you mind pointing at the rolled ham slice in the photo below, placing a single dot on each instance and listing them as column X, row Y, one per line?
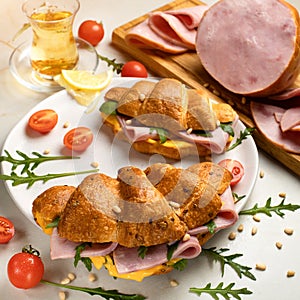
column 251, row 47
column 189, row 16
column 127, row 259
column 226, row 217
column 63, row 248
column 263, row 116
column 290, row 119
column 171, row 29
column 142, row 36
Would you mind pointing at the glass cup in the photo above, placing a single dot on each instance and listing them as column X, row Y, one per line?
column 53, row 45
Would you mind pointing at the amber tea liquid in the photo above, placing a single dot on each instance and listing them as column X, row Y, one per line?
column 53, row 46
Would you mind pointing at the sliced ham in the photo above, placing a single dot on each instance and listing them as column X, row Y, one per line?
column 142, row 36
column 127, row 259
column 216, row 142
column 189, row 16
column 251, row 47
column 63, row 248
column 226, row 217
column 287, row 94
column 290, row 119
column 263, row 115
column 171, row 29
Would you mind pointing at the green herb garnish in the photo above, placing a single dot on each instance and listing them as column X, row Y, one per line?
column 237, row 198
column 162, row 133
column 30, row 163
column 54, row 223
column 180, row 264
column 220, row 290
column 202, row 133
column 117, row 67
column 142, row 251
column 211, row 226
column 228, row 260
column 268, row 209
column 86, row 260
column 106, row 294
column 171, row 249
column 227, row 127
column 31, row 177
column 243, row 136
column 109, row 108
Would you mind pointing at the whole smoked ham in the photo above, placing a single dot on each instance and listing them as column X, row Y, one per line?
column 251, row 47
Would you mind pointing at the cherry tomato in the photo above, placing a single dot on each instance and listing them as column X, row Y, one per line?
column 236, row 169
column 78, row 139
column 91, row 31
column 7, row 230
column 134, row 69
column 25, row 269
column 43, row 121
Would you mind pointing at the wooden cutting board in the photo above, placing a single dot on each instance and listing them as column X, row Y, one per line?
column 188, row 69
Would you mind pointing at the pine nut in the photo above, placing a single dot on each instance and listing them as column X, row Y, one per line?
column 65, row 281
column 290, row 273
column 189, row 131
column 278, row 245
column 174, row 283
column 282, row 195
column 71, row 276
column 256, row 218
column 254, row 230
column 289, row 231
column 186, row 237
column 261, row 174
column 240, row 228
column 62, row 295
column 217, row 93
column 244, row 100
column 66, row 125
column 116, row 209
column 92, row 277
column 232, row 236
column 46, row 151
column 260, row 267
column 95, row 164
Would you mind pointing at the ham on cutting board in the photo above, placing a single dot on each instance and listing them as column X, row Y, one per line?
column 252, row 46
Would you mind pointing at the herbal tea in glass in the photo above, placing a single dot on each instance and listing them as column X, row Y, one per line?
column 53, row 45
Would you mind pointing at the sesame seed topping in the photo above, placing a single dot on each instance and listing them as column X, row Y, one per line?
column 116, row 209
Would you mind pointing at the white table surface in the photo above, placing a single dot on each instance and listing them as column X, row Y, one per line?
column 16, row 100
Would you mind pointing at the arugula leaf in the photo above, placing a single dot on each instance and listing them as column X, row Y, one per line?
column 109, row 108
column 237, row 198
column 243, row 136
column 228, row 260
column 106, row 294
column 54, row 223
column 171, row 249
column 30, row 163
column 227, row 127
column 203, row 133
column 162, row 133
column 180, row 264
column 142, row 251
column 117, row 67
column 268, row 209
column 211, row 226
column 225, row 292
column 86, row 260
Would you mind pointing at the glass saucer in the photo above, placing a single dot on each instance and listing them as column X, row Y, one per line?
column 20, row 66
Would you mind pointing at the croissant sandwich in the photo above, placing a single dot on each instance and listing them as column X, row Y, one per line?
column 143, row 222
column 165, row 117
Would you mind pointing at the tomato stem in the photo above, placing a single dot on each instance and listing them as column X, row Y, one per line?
column 29, row 249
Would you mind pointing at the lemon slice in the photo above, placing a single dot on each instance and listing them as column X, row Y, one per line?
column 84, row 80
column 84, row 96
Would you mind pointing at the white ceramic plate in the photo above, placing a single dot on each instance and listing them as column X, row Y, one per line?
column 109, row 152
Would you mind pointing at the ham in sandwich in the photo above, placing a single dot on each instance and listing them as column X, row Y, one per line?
column 143, row 222
column 165, row 117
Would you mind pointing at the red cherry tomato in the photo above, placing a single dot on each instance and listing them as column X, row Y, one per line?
column 7, row 230
column 91, row 31
column 43, row 121
column 78, row 139
column 236, row 169
column 25, row 269
column 134, row 69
